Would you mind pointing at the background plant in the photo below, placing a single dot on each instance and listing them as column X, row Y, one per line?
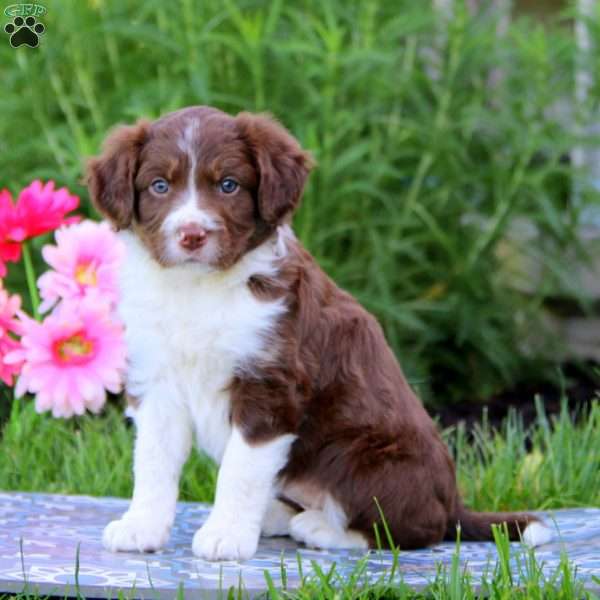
column 425, row 157
column 553, row 464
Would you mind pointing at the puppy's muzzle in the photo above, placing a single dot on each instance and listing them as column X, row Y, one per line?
column 191, row 237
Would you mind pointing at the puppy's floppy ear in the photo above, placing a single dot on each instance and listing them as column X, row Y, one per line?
column 110, row 176
column 283, row 165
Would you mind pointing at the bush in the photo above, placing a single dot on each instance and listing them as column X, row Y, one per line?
column 425, row 158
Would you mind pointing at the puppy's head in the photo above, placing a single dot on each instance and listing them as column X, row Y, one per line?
column 198, row 185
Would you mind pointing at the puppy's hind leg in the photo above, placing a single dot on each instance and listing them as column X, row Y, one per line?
column 326, row 528
column 276, row 521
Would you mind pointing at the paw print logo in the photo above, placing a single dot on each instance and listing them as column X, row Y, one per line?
column 24, row 32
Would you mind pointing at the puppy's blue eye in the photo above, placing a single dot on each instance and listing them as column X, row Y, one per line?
column 160, row 186
column 228, row 185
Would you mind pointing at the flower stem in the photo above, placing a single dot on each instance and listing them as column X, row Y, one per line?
column 31, row 281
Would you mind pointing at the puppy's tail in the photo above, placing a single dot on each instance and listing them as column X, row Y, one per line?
column 477, row 527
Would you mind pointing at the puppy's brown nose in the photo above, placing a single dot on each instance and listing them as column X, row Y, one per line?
column 191, row 236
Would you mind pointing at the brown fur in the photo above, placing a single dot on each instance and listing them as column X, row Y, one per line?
column 361, row 431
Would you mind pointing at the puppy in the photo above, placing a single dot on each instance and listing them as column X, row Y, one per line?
column 238, row 341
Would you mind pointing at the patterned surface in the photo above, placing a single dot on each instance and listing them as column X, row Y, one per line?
column 40, row 536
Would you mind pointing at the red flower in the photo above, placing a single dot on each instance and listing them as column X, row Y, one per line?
column 39, row 209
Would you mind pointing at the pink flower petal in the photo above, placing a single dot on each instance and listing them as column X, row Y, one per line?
column 86, row 262
column 71, row 357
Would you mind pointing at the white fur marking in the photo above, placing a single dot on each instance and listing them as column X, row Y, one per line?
column 244, row 488
column 277, row 519
column 284, row 236
column 537, row 534
column 334, row 514
column 163, row 442
column 191, row 331
column 186, row 141
column 187, row 333
column 324, row 527
column 313, row 528
column 189, row 211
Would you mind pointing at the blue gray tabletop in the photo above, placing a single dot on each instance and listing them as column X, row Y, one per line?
column 52, row 544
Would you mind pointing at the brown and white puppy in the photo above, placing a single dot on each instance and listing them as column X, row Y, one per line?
column 239, row 341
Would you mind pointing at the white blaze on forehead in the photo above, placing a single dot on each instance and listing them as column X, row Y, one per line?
column 188, row 210
column 186, row 141
column 186, row 145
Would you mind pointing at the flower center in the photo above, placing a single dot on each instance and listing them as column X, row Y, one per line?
column 74, row 349
column 85, row 274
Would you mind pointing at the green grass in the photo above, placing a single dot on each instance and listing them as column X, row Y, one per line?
column 554, row 464
column 87, row 455
column 423, row 164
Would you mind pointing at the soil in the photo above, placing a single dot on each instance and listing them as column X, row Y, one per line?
column 581, row 387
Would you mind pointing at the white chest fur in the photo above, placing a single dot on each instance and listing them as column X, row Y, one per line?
column 188, row 332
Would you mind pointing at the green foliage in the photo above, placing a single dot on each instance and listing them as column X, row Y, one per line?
column 555, row 464
column 88, row 455
column 431, row 139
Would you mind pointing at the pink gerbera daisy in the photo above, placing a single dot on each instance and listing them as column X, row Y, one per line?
column 71, row 358
column 9, row 306
column 86, row 261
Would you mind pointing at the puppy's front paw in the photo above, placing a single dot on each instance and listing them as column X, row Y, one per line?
column 213, row 542
column 135, row 532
